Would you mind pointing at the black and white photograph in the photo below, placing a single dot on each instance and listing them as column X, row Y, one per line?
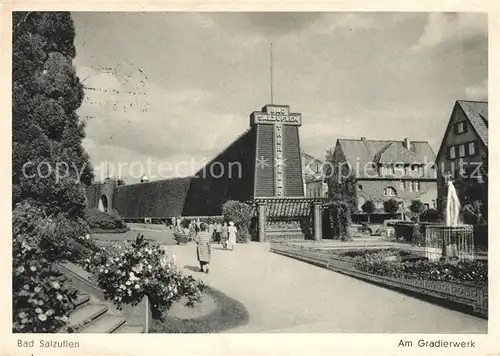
column 203, row 172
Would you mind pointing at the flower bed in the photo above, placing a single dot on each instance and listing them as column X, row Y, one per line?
column 463, row 283
column 378, row 262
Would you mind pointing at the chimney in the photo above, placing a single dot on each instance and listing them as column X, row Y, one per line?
column 363, row 138
column 406, row 143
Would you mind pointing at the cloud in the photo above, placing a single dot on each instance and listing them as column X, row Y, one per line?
column 477, row 92
column 358, row 21
column 207, row 72
column 125, row 126
column 446, row 27
column 109, row 160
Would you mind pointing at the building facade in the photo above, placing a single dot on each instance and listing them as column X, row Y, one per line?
column 314, row 177
column 462, row 150
column 360, row 170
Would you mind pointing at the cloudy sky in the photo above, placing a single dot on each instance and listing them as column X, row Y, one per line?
column 179, row 87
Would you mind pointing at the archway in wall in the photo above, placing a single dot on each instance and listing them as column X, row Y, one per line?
column 103, row 203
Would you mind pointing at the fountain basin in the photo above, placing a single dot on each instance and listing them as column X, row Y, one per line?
column 449, row 242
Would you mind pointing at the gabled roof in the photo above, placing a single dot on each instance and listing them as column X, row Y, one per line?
column 477, row 113
column 309, row 158
column 362, row 152
column 395, row 152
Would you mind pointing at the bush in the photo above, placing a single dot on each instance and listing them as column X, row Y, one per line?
column 391, row 206
column 41, row 300
column 430, row 215
column 417, row 208
column 368, row 208
column 55, row 238
column 104, row 221
column 241, row 215
column 142, row 269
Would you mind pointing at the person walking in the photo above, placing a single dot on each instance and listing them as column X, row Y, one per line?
column 203, row 248
column 192, row 230
column 232, row 235
column 224, row 235
column 211, row 228
column 217, row 232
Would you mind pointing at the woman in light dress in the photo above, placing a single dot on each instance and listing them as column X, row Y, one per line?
column 232, row 235
column 204, row 248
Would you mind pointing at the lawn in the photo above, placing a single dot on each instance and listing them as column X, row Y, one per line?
column 215, row 313
column 164, row 237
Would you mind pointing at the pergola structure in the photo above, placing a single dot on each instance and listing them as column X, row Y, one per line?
column 287, row 218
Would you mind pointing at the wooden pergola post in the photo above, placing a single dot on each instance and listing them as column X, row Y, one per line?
column 261, row 215
column 318, row 220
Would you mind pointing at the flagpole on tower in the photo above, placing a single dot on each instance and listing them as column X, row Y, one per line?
column 271, row 69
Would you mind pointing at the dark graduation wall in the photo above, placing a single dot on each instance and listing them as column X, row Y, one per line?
column 202, row 195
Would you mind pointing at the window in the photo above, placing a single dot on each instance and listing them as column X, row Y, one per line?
column 416, row 186
column 461, row 150
column 460, row 127
column 472, row 148
column 410, row 186
column 390, row 192
column 360, row 186
column 453, row 153
column 400, row 169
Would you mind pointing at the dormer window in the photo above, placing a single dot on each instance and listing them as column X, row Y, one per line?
column 390, row 192
column 460, row 127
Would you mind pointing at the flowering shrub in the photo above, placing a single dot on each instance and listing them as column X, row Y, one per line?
column 142, row 269
column 55, row 238
column 41, row 299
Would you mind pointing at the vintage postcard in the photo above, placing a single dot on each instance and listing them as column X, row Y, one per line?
column 243, row 180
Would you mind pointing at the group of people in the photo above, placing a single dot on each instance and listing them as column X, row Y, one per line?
column 206, row 233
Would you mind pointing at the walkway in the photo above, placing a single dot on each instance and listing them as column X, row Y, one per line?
column 285, row 295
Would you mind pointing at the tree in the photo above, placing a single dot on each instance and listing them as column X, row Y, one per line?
column 368, row 207
column 339, row 215
column 50, row 168
column 241, row 214
column 430, row 215
column 472, row 188
column 391, row 206
column 473, row 213
column 49, row 165
column 417, row 208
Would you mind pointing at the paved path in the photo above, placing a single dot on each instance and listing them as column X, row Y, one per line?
column 285, row 295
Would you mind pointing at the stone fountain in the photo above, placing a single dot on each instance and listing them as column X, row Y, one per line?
column 453, row 240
